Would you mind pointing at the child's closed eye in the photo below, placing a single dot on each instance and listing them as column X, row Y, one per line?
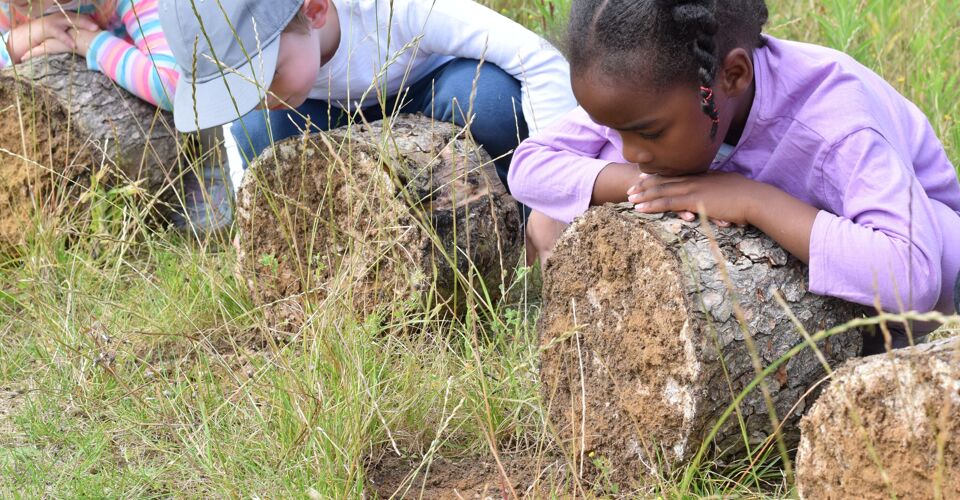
column 650, row 136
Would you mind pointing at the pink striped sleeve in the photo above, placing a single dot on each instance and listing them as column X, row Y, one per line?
column 142, row 63
column 8, row 17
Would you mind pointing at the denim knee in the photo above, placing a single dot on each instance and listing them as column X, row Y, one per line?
column 956, row 295
column 259, row 129
column 492, row 97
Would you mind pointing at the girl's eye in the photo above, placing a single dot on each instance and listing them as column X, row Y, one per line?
column 650, row 136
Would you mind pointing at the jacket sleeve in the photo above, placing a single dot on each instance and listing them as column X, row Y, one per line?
column 886, row 243
column 554, row 171
column 146, row 67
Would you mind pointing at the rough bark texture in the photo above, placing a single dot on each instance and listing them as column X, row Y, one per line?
column 59, row 123
column 371, row 217
column 642, row 349
column 888, row 426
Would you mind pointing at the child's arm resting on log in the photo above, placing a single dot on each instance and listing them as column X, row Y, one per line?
column 28, row 34
column 885, row 242
column 558, row 171
column 146, row 68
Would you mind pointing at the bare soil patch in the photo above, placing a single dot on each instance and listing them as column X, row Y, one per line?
column 11, row 400
column 530, row 477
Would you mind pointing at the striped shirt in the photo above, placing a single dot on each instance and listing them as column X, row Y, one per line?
column 131, row 49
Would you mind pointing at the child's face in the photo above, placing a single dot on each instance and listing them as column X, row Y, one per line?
column 297, row 68
column 33, row 8
column 664, row 131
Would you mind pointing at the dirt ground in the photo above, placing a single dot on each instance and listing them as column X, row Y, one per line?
column 529, row 477
column 11, row 399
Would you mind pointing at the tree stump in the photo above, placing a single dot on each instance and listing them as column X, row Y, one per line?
column 60, row 123
column 642, row 349
column 888, row 426
column 372, row 217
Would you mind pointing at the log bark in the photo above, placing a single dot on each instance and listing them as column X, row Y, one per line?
column 373, row 217
column 60, row 123
column 888, row 426
column 642, row 349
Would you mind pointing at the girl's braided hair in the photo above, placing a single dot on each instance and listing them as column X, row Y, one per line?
column 666, row 41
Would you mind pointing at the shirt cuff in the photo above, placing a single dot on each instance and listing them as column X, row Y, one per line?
column 5, row 59
column 819, row 255
column 583, row 191
column 96, row 49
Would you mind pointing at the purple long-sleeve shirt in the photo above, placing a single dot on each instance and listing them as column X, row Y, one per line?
column 833, row 134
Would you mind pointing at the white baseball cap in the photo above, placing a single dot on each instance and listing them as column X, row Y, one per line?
column 227, row 53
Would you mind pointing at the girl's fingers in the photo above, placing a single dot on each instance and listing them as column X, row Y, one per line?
column 646, row 182
column 657, row 206
column 691, row 217
column 48, row 47
column 85, row 22
column 646, row 192
column 672, row 195
column 65, row 38
column 34, row 52
column 62, row 22
column 55, row 27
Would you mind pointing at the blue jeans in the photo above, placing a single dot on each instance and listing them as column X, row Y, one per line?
column 444, row 95
column 956, row 295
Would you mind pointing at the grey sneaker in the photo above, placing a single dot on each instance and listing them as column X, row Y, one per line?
column 207, row 198
column 207, row 202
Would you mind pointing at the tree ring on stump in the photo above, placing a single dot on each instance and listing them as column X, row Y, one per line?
column 641, row 347
column 372, row 216
column 60, row 123
column 887, row 426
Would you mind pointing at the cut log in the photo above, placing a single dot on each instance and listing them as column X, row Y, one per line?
column 888, row 426
column 642, row 350
column 372, row 217
column 61, row 122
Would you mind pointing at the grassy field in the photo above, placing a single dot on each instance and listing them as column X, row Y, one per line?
column 132, row 363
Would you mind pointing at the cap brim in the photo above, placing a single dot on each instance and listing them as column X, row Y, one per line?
column 226, row 98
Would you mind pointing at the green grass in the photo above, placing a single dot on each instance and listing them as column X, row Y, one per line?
column 145, row 370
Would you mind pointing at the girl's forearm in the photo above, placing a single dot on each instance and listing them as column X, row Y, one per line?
column 784, row 218
column 18, row 42
column 613, row 182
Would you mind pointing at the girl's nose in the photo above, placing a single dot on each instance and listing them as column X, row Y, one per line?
column 635, row 153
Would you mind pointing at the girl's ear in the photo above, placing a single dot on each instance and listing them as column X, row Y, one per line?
column 736, row 74
column 316, row 11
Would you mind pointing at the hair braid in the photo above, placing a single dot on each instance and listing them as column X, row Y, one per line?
column 697, row 20
column 663, row 42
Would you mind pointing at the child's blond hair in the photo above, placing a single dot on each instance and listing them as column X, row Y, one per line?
column 299, row 24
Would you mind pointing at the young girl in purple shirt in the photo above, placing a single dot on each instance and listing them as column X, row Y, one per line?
column 686, row 104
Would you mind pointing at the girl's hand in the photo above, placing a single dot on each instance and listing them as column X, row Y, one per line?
column 725, row 197
column 82, row 39
column 57, row 26
column 690, row 217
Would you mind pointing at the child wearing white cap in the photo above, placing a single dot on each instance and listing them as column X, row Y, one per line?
column 317, row 61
